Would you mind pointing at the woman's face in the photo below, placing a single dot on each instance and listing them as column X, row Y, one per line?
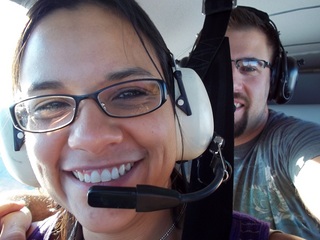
column 78, row 52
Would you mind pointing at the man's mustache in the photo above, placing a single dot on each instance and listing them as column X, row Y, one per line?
column 241, row 96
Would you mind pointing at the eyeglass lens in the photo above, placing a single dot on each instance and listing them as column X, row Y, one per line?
column 250, row 67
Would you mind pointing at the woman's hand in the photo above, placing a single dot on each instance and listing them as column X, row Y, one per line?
column 15, row 220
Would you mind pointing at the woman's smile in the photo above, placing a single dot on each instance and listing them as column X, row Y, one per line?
column 102, row 175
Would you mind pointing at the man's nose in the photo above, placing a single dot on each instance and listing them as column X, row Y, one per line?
column 237, row 78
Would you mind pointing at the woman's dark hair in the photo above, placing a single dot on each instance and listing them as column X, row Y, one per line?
column 243, row 18
column 128, row 9
column 146, row 31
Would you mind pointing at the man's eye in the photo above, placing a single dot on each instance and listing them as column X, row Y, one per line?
column 248, row 69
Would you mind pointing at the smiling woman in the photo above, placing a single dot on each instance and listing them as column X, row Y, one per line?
column 12, row 18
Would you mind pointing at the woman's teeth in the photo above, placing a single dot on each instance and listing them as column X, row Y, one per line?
column 105, row 175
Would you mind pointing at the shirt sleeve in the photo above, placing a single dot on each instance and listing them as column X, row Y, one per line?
column 247, row 227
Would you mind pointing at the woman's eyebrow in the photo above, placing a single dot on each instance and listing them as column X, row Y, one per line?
column 45, row 85
column 124, row 73
column 118, row 75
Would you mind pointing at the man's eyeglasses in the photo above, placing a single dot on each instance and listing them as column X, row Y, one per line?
column 122, row 100
column 251, row 66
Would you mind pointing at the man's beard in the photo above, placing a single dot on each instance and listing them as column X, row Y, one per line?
column 241, row 125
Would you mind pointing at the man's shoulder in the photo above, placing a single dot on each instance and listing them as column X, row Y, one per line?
column 279, row 121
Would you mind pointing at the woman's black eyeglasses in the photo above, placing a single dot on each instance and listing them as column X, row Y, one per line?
column 122, row 100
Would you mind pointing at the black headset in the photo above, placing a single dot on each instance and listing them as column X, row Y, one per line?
column 284, row 71
column 283, row 78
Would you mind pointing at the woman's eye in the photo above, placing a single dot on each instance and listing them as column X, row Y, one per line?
column 49, row 109
column 131, row 93
column 131, row 98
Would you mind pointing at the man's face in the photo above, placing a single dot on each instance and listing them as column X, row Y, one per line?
column 251, row 86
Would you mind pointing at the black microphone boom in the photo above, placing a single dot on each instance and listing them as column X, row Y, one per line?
column 143, row 198
column 146, row 198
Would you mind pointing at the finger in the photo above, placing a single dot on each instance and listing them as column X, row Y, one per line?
column 16, row 224
column 8, row 207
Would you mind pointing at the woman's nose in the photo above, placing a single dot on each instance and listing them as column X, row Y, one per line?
column 92, row 129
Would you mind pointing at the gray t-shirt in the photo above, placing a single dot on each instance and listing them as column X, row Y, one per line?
column 264, row 169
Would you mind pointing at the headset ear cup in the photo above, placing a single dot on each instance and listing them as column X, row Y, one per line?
column 16, row 162
column 292, row 77
column 274, row 80
column 194, row 132
column 288, row 81
column 285, row 80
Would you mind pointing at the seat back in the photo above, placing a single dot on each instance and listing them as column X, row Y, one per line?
column 308, row 112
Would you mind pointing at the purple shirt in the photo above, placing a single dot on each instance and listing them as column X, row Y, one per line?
column 243, row 227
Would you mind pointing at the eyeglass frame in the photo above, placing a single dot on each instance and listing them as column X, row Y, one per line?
column 94, row 96
column 265, row 63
